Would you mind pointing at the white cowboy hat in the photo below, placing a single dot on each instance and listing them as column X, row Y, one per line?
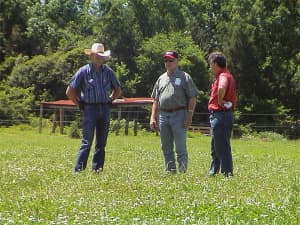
column 98, row 49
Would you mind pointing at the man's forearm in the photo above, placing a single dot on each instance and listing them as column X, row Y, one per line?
column 154, row 109
column 71, row 93
column 221, row 94
column 191, row 104
column 116, row 93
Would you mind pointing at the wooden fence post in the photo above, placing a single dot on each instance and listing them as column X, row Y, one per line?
column 135, row 128
column 126, row 127
column 41, row 118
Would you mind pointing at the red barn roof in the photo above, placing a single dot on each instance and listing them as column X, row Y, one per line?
column 116, row 102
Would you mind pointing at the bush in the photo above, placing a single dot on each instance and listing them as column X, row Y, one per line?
column 120, row 126
column 267, row 135
column 74, row 130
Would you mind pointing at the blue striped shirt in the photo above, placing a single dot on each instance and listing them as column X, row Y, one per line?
column 94, row 86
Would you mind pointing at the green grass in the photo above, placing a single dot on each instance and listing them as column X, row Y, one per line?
column 38, row 185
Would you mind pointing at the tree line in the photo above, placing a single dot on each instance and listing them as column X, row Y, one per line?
column 42, row 42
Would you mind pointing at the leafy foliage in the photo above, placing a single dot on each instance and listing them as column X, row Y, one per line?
column 150, row 62
column 15, row 104
column 41, row 44
column 74, row 130
column 263, row 65
column 47, row 73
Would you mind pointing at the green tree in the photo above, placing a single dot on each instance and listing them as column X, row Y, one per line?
column 41, row 44
column 155, row 16
column 120, row 33
column 6, row 67
column 57, row 24
column 13, row 18
column 47, row 73
column 260, row 39
column 204, row 16
column 191, row 60
column 15, row 104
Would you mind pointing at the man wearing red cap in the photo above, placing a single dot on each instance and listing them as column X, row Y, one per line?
column 174, row 95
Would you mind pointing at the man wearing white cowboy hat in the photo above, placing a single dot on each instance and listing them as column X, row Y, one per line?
column 93, row 87
column 98, row 49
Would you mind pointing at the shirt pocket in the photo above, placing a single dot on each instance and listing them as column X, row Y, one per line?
column 90, row 84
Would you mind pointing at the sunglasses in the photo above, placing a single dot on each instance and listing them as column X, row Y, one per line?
column 169, row 60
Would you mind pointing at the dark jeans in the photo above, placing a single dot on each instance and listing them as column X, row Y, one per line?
column 94, row 117
column 221, row 127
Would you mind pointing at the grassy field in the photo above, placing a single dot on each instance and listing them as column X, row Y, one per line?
column 38, row 185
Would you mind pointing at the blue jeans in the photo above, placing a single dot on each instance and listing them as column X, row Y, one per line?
column 94, row 117
column 172, row 131
column 221, row 125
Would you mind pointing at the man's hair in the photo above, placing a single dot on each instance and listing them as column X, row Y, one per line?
column 218, row 58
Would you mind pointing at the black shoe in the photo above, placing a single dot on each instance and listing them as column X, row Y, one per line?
column 171, row 171
column 97, row 170
column 227, row 174
column 76, row 171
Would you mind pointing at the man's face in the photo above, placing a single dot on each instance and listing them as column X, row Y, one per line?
column 96, row 59
column 213, row 67
column 170, row 64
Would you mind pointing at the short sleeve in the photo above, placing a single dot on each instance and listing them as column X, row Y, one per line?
column 76, row 80
column 154, row 94
column 191, row 90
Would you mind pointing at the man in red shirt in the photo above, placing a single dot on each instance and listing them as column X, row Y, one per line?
column 221, row 104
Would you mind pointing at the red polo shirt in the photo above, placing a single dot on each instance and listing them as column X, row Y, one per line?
column 230, row 94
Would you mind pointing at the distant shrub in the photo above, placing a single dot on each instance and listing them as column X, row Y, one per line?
column 24, row 127
column 120, row 126
column 267, row 135
column 74, row 130
column 246, row 130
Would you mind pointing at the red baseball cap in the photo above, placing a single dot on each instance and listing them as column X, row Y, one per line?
column 170, row 55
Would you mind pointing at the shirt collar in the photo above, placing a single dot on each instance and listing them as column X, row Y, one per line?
column 175, row 71
column 222, row 71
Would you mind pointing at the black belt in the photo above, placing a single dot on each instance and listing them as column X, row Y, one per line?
column 173, row 109
column 219, row 110
column 96, row 104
